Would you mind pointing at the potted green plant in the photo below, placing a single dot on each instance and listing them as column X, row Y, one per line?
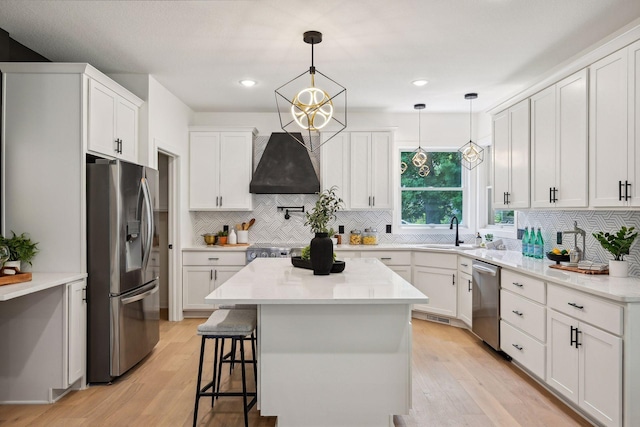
column 318, row 218
column 21, row 250
column 618, row 245
column 222, row 237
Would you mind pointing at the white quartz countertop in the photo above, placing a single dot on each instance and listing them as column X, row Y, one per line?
column 622, row 289
column 217, row 248
column 39, row 282
column 276, row 281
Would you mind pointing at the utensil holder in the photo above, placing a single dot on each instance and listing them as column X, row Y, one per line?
column 243, row 236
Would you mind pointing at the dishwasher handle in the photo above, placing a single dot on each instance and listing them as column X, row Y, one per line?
column 485, row 270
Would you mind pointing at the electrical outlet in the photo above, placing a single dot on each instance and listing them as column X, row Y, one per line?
column 341, row 229
column 520, row 233
column 388, row 228
column 559, row 237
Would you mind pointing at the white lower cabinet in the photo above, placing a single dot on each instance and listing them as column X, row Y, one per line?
column 523, row 320
column 77, row 327
column 435, row 275
column 584, row 364
column 465, row 290
column 204, row 271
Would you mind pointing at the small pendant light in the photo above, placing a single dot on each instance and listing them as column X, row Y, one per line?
column 472, row 153
column 419, row 157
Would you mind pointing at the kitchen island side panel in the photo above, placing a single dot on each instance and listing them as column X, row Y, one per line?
column 338, row 365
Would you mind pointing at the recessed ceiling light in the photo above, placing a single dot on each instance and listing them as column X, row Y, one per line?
column 247, row 83
column 419, row 82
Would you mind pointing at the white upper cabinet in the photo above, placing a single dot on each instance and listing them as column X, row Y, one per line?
column 511, row 157
column 370, row 186
column 335, row 156
column 113, row 124
column 220, row 170
column 614, row 95
column 559, row 144
column 359, row 164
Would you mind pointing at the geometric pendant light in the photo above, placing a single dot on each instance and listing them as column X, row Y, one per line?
column 472, row 153
column 304, row 106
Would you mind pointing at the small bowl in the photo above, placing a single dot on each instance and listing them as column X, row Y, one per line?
column 209, row 239
column 558, row 258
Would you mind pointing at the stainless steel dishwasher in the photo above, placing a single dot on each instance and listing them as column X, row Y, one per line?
column 486, row 303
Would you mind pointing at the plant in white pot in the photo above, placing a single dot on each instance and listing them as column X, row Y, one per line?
column 618, row 245
column 21, row 250
column 318, row 218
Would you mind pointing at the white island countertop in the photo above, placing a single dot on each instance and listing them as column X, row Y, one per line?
column 277, row 281
column 38, row 282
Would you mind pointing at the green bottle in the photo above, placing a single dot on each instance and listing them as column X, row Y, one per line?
column 525, row 242
column 538, row 246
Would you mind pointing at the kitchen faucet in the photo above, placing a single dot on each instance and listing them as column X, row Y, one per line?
column 576, row 230
column 458, row 241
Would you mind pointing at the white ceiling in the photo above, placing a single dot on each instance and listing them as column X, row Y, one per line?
column 199, row 50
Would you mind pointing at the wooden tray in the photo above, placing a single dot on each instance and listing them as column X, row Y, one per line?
column 234, row 244
column 578, row 270
column 10, row 279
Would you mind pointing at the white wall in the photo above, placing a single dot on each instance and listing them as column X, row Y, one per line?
column 437, row 129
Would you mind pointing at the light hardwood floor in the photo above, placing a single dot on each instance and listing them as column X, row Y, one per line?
column 457, row 381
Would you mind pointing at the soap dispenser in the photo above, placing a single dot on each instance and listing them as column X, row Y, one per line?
column 478, row 240
column 233, row 239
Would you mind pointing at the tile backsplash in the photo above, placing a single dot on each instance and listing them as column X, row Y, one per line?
column 590, row 221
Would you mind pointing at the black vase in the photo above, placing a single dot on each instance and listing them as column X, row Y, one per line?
column 321, row 254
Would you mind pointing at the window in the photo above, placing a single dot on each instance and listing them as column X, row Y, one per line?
column 496, row 217
column 432, row 199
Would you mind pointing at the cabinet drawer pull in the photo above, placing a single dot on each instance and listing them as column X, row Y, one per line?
column 214, row 259
column 464, row 265
column 573, row 304
column 517, row 312
column 520, row 285
column 386, row 258
column 517, row 346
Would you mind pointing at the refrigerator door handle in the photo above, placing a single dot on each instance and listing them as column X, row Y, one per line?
column 149, row 223
column 141, row 296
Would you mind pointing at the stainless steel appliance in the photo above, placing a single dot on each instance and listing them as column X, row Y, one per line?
column 122, row 293
column 486, row 303
column 270, row 250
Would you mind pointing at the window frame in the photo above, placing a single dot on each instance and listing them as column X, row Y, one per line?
column 468, row 198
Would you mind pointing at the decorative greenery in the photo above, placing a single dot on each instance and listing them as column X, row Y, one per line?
column 305, row 254
column 617, row 244
column 222, row 233
column 21, row 248
column 325, row 209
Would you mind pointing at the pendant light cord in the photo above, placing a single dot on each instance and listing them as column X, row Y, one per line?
column 470, row 116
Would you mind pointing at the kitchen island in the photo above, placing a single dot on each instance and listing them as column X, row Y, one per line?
column 333, row 350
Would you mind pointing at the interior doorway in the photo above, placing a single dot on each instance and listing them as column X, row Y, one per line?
column 163, row 233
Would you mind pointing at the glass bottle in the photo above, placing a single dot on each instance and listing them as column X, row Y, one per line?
column 525, row 242
column 538, row 245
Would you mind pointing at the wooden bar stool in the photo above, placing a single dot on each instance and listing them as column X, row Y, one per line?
column 238, row 325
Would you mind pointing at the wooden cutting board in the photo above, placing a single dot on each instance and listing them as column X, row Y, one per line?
column 10, row 279
column 578, row 270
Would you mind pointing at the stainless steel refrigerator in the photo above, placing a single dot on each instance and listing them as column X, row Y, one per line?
column 122, row 293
